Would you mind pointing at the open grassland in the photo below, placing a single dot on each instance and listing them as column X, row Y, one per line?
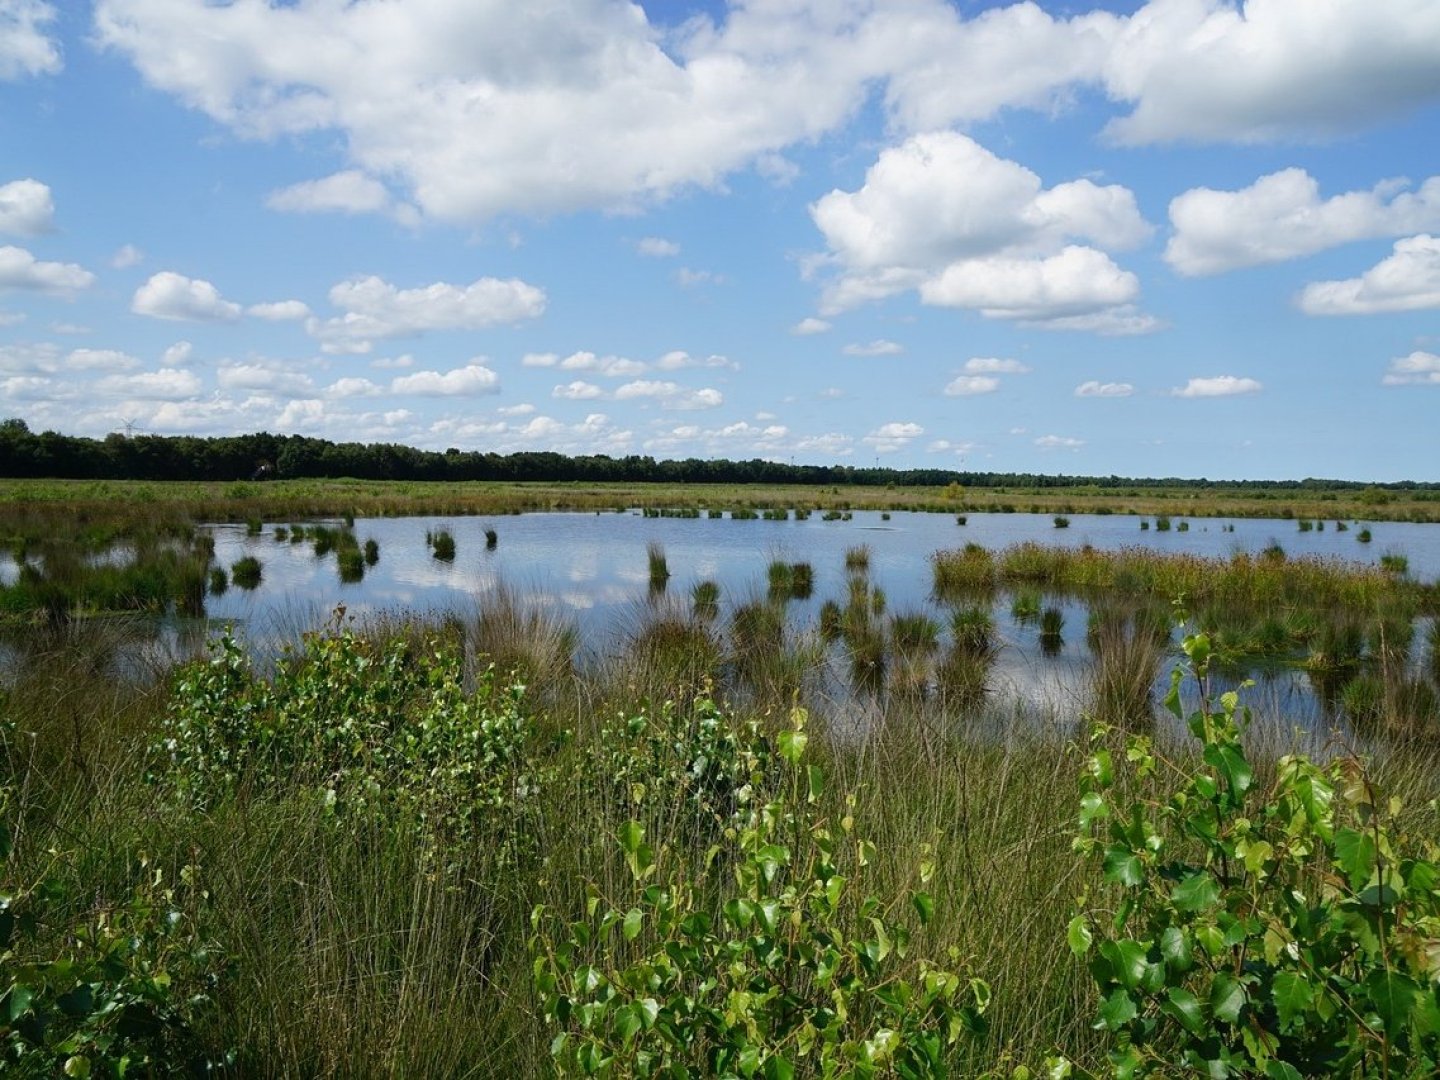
column 396, row 851
column 33, row 508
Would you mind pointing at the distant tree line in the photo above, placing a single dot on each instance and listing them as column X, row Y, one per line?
column 49, row 454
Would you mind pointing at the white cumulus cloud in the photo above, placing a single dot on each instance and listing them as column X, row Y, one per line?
column 25, row 47
column 1417, row 369
column 579, row 390
column 896, row 435
column 168, row 295
column 1408, row 280
column 1059, row 442
column 657, row 247
column 878, row 347
column 994, row 365
column 810, row 325
column 100, row 360
column 468, row 381
column 280, row 311
column 1095, row 388
column 971, row 385
column 26, row 208
column 269, row 378
column 348, row 192
column 1261, row 70
column 21, row 270
column 375, row 309
column 1282, row 216
column 167, row 385
column 1218, row 386
column 942, row 215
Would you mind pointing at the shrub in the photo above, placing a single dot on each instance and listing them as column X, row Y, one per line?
column 368, row 728
column 771, row 959
column 119, row 992
column 1284, row 930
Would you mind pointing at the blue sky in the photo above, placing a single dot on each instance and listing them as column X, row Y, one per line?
column 1182, row 237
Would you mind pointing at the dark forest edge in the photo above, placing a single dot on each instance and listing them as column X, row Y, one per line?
column 50, row 454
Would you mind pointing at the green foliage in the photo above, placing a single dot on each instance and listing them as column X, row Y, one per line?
column 1279, row 930
column 369, row 728
column 769, row 959
column 113, row 991
column 698, row 766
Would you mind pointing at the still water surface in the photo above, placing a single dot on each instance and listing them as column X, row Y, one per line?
column 592, row 569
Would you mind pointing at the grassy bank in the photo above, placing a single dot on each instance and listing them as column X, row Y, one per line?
column 33, row 507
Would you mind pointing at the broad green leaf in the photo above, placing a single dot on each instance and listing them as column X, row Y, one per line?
column 1282, row 1070
column 1393, row 996
column 633, row 920
column 1293, row 994
column 1175, row 948
column 1227, row 998
column 816, row 777
column 1355, row 855
column 924, row 906
column 1079, row 935
column 1117, row 1010
column 1185, row 1008
column 631, row 834
column 1127, row 961
column 1122, row 867
column 1197, row 892
column 792, row 745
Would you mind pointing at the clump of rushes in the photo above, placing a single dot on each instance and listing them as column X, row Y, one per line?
column 831, row 622
column 442, row 544
column 1394, row 563
column 325, row 539
column 659, row 569
column 790, row 581
column 492, row 539
column 1122, row 676
column 1025, row 606
column 1183, row 526
column 857, row 558
column 885, row 515
column 372, row 552
column 1162, row 524
column 1061, row 521
column 1144, row 524
column 1052, row 625
column 744, row 515
column 351, row 562
column 970, row 569
column 1305, row 524
column 960, row 519
column 1273, row 552
column 297, row 534
column 1340, row 526
column 1363, row 536
column 219, row 581
column 253, row 526
column 705, row 600
column 973, row 628
column 281, row 534
column 914, row 632
column 245, row 573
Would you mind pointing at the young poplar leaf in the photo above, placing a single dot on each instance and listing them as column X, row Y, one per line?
column 1079, row 935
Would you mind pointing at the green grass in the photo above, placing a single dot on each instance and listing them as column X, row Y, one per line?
column 362, row 940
